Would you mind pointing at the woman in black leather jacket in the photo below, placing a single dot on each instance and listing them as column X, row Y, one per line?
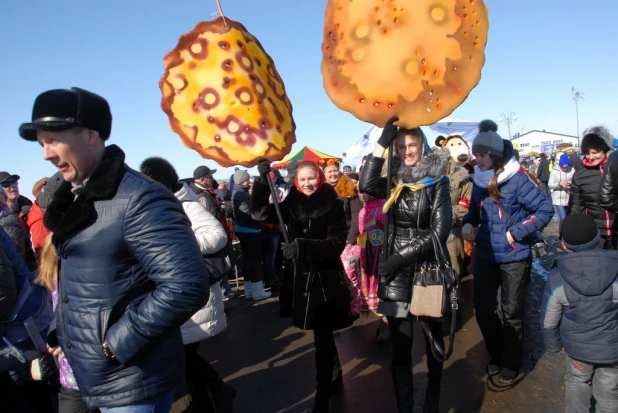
column 413, row 214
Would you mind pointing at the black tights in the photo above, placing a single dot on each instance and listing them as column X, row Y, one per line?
column 401, row 361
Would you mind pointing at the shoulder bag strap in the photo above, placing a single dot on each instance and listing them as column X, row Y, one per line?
column 506, row 214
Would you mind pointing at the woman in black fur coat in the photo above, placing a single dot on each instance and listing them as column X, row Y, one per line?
column 423, row 205
column 315, row 291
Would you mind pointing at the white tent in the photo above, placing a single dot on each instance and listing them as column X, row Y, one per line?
column 447, row 126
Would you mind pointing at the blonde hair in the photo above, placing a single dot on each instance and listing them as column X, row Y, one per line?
column 49, row 264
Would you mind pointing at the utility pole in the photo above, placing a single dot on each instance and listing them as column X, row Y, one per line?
column 508, row 120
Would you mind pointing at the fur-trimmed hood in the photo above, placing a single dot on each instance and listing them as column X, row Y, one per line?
column 314, row 206
column 433, row 165
column 66, row 213
column 345, row 188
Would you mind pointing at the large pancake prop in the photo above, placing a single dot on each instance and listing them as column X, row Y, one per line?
column 415, row 59
column 224, row 96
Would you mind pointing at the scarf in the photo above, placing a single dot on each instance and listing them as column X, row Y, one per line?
column 483, row 178
column 417, row 186
column 321, row 179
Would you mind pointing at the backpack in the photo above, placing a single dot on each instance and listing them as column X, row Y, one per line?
column 23, row 332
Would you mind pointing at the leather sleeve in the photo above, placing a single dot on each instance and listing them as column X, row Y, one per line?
column 441, row 221
column 608, row 190
column 370, row 180
column 158, row 234
column 330, row 248
column 355, row 207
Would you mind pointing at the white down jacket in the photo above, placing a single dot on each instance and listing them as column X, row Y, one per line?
column 211, row 237
column 560, row 195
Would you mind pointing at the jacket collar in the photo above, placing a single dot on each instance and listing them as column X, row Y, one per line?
column 314, row 206
column 66, row 213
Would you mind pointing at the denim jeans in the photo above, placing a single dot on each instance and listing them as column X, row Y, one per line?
column 604, row 381
column 561, row 210
column 160, row 404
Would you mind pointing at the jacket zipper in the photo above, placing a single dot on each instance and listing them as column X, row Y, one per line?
column 607, row 218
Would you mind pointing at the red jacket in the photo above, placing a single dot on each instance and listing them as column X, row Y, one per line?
column 38, row 232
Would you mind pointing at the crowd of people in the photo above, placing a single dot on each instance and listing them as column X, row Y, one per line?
column 136, row 262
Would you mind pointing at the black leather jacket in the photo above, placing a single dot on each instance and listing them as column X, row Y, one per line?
column 412, row 217
column 608, row 190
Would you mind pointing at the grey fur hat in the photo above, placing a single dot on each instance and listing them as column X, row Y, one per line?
column 49, row 189
column 488, row 141
column 597, row 137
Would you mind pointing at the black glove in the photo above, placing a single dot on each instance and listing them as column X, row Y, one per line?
column 290, row 251
column 263, row 167
column 389, row 133
column 391, row 265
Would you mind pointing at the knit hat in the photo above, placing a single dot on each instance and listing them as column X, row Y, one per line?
column 564, row 160
column 50, row 186
column 598, row 138
column 580, row 232
column 241, row 176
column 488, row 141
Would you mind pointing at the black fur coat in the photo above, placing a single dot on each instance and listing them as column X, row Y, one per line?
column 316, row 291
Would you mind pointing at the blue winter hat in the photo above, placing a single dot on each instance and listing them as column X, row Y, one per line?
column 564, row 160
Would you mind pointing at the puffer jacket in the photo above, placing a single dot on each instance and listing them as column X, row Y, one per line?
column 130, row 272
column 8, row 289
column 241, row 202
column 608, row 191
column 315, row 290
column 414, row 214
column 523, row 201
column 560, row 195
column 580, row 307
column 585, row 196
column 211, row 237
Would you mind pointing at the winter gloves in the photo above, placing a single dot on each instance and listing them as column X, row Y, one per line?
column 389, row 133
column 391, row 265
column 263, row 167
column 290, row 251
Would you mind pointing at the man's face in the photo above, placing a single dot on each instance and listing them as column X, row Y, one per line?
column 206, row 181
column 11, row 190
column 71, row 151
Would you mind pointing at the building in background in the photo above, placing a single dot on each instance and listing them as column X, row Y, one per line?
column 542, row 141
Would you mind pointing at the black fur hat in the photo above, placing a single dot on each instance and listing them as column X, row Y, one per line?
column 160, row 170
column 597, row 138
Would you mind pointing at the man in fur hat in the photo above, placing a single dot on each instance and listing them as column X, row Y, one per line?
column 131, row 271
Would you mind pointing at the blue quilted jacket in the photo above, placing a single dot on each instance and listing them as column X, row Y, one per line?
column 527, row 205
column 131, row 273
column 580, row 306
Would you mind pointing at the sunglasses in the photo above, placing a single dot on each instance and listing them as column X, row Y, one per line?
column 8, row 184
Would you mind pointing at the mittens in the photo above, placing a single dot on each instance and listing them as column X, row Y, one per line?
column 389, row 133
column 290, row 251
column 391, row 265
column 263, row 167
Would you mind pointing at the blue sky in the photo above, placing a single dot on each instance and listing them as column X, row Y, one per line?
column 537, row 50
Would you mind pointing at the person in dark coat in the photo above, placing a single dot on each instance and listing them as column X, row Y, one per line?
column 579, row 313
column 130, row 269
column 586, row 183
column 247, row 230
column 315, row 291
column 503, row 258
column 542, row 174
column 423, row 206
column 8, row 290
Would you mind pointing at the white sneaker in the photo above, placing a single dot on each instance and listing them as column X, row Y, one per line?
column 258, row 291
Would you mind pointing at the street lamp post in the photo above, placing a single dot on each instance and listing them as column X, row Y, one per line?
column 577, row 96
column 508, row 120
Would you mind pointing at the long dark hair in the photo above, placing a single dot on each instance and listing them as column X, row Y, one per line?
column 493, row 184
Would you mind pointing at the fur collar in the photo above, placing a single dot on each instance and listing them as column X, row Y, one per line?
column 345, row 188
column 431, row 165
column 67, row 214
column 313, row 207
column 456, row 174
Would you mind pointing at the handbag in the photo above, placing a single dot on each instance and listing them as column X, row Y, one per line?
column 435, row 295
column 538, row 245
column 219, row 264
